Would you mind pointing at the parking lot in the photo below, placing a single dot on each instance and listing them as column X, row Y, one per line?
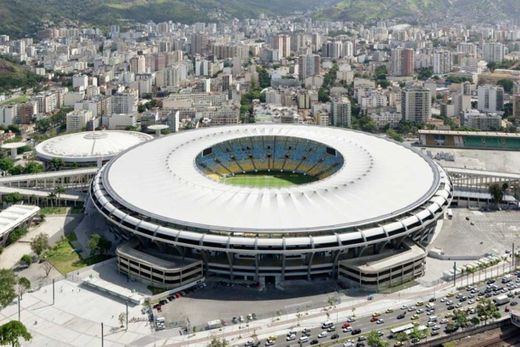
column 480, row 232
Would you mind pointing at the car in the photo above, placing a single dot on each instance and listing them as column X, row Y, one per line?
column 351, row 319
column 314, row 342
column 241, row 318
column 163, row 302
column 376, row 314
column 513, row 303
column 419, row 303
column 401, row 316
column 443, row 299
column 435, row 332
column 347, row 329
column 356, row 331
column 269, row 343
column 444, row 321
column 451, row 307
column 404, row 307
column 303, row 339
column 346, row 325
column 291, row 337
column 414, row 317
column 380, row 321
column 370, row 297
column 249, row 344
column 506, row 309
column 348, row 344
column 374, row 319
column 334, row 336
column 436, row 327
column 432, row 299
column 360, row 344
column 362, row 338
column 430, row 324
column 331, row 329
column 323, row 334
column 389, row 310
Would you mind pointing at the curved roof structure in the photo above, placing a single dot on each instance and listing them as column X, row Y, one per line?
column 379, row 180
column 89, row 146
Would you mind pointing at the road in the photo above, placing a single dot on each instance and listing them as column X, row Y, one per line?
column 390, row 318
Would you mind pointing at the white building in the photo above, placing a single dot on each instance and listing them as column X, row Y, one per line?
column 77, row 120
column 490, row 98
column 341, row 112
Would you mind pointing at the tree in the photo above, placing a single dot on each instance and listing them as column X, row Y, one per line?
column 402, row 337
column 497, row 192
column 424, row 73
column 12, row 198
column 27, row 259
column 218, row 343
column 22, row 286
column 394, row 135
column 39, row 244
column 7, row 283
column 491, row 66
column 507, row 84
column 460, row 319
column 56, row 163
column 98, row 244
column 12, row 332
column 374, row 340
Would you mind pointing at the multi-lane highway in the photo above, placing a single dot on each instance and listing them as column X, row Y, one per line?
column 441, row 307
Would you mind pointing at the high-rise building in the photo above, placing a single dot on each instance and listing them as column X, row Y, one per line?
column 138, row 64
column 282, row 43
column 199, row 43
column 490, row 98
column 442, row 62
column 77, row 120
column 493, row 52
column 308, row 65
column 341, row 112
column 124, row 103
column 516, row 108
column 467, row 48
column 332, row 49
column 402, row 62
column 416, row 104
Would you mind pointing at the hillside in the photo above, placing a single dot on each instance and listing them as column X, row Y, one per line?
column 19, row 17
column 13, row 75
column 469, row 11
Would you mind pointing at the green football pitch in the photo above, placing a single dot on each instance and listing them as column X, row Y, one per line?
column 268, row 179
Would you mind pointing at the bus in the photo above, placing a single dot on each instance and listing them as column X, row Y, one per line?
column 401, row 329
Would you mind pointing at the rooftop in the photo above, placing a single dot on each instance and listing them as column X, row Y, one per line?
column 379, row 179
column 89, row 146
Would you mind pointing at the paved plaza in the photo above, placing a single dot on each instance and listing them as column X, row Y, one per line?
column 478, row 232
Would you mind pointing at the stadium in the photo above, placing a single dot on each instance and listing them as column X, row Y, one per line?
column 272, row 203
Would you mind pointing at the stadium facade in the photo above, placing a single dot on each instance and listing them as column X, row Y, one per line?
column 365, row 219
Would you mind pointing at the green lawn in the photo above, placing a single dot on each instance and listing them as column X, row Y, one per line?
column 65, row 259
column 268, row 179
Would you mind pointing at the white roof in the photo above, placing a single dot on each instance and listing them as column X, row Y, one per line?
column 380, row 179
column 89, row 146
column 15, row 215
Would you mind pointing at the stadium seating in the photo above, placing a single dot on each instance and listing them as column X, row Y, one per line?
column 269, row 153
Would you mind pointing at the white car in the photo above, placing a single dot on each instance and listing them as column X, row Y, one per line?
column 323, row 334
column 404, row 307
column 444, row 321
column 348, row 344
column 291, row 337
column 347, row 330
column 380, row 321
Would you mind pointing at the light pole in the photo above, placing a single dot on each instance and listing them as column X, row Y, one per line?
column 19, row 298
column 53, row 292
column 126, row 304
column 454, row 273
column 102, row 337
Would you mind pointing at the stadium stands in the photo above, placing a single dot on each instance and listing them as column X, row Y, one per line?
column 269, row 153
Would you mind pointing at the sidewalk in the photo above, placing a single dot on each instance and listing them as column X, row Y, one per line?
column 53, row 226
